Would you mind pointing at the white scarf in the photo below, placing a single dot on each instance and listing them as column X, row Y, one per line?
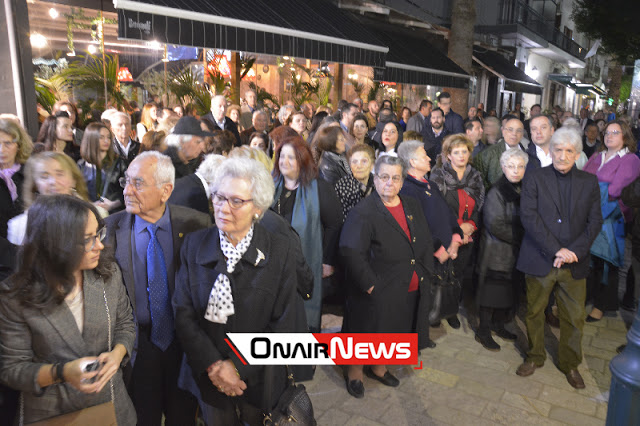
column 220, row 305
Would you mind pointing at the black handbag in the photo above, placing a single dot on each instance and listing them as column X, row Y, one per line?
column 445, row 292
column 294, row 405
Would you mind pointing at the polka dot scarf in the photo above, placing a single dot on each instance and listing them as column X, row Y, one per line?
column 220, row 305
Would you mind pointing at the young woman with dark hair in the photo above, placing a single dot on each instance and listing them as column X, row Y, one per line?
column 56, row 134
column 64, row 308
column 98, row 164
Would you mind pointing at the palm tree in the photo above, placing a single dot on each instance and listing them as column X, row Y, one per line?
column 88, row 73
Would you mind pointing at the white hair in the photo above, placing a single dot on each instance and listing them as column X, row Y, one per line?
column 257, row 113
column 165, row 172
column 567, row 135
column 407, row 150
column 260, row 181
column 513, row 153
column 572, row 123
column 207, row 169
column 173, row 139
column 281, row 113
column 119, row 114
column 218, row 97
column 107, row 114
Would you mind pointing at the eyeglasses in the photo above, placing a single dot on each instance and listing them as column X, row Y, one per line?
column 385, row 178
column 612, row 133
column 513, row 167
column 8, row 144
column 234, row 202
column 512, row 130
column 90, row 242
column 138, row 184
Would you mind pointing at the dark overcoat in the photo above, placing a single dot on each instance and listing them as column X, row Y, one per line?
column 264, row 298
column 377, row 252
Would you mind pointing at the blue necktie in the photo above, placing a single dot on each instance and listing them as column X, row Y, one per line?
column 162, row 329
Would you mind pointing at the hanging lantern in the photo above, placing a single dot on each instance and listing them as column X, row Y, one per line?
column 124, row 74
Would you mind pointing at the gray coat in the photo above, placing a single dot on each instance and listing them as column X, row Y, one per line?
column 32, row 338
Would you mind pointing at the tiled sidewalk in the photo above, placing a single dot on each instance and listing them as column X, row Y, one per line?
column 461, row 383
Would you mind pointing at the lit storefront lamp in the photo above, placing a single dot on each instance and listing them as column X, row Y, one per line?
column 124, row 74
column 220, row 65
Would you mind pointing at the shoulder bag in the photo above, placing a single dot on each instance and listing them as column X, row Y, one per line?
column 294, row 405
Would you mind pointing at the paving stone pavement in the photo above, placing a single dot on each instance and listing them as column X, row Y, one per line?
column 461, row 383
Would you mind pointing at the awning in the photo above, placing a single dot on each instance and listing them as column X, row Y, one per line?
column 310, row 29
column 588, row 89
column 515, row 80
column 413, row 60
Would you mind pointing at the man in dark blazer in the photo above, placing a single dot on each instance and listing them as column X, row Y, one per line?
column 259, row 123
column 433, row 133
column 218, row 118
column 560, row 212
column 147, row 238
column 193, row 190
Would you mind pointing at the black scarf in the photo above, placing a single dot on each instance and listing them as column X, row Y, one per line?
column 471, row 182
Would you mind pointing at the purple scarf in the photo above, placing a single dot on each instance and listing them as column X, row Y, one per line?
column 6, row 174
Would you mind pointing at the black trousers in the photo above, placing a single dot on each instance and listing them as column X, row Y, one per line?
column 605, row 296
column 154, row 385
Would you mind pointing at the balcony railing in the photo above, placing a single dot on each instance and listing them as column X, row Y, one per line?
column 517, row 12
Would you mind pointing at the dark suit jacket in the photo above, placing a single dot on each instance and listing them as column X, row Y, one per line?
column 228, row 125
column 190, row 192
column 119, row 225
column 264, row 298
column 433, row 143
column 134, row 149
column 246, row 134
column 540, row 215
column 33, row 337
column 377, row 252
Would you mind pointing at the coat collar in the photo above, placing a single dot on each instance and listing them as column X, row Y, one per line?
column 209, row 251
column 389, row 217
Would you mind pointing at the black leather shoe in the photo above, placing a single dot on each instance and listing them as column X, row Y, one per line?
column 575, row 379
column 592, row 319
column 354, row 387
column 454, row 322
column 503, row 333
column 487, row 342
column 429, row 345
column 388, row 379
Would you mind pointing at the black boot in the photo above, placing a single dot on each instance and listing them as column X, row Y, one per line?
column 483, row 335
column 499, row 316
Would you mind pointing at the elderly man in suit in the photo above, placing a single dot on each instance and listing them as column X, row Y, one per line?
column 219, row 119
column 560, row 212
column 259, row 123
column 126, row 147
column 488, row 161
column 147, row 238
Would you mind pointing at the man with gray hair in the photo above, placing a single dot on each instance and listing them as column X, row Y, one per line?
column 126, row 147
column 248, row 108
column 147, row 238
column 259, row 123
column 560, row 212
column 217, row 117
column 185, row 145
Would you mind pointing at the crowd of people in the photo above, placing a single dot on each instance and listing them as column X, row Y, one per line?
column 136, row 242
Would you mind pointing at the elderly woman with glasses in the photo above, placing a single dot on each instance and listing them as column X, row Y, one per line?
column 64, row 309
column 235, row 277
column 387, row 250
column 616, row 167
column 502, row 234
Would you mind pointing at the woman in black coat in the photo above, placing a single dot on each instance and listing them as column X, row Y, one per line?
column 499, row 247
column 235, row 277
column 387, row 250
column 330, row 149
column 463, row 191
column 16, row 147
